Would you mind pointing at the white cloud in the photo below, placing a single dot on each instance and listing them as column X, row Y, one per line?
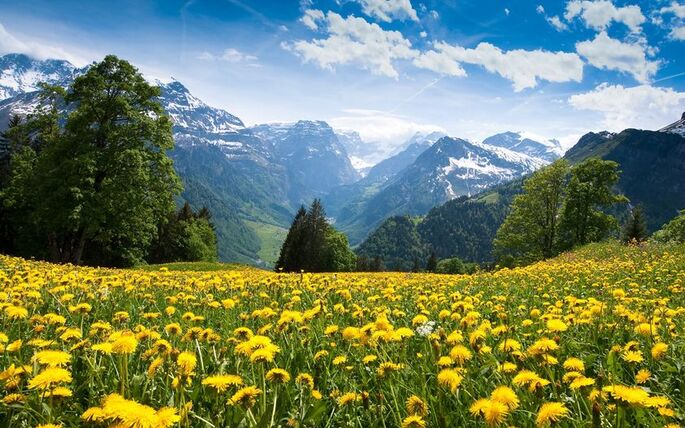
column 229, row 55
column 677, row 23
column 353, row 40
column 644, row 106
column 601, row 13
column 507, row 11
column 387, row 10
column 11, row 44
column 675, row 8
column 434, row 14
column 523, row 68
column 311, row 17
column 423, row 34
column 678, row 33
column 611, row 54
column 555, row 22
column 386, row 131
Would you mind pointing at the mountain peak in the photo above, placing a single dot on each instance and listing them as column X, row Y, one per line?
column 677, row 127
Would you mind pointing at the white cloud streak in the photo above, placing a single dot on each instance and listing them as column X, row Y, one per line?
column 389, row 10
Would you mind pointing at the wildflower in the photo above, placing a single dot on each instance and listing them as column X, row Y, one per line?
column 460, row 354
column 413, row 421
column 416, row 406
column 305, row 379
column 278, row 376
column 642, row 376
column 492, row 411
column 659, row 350
column 506, row 396
column 50, row 377
column 348, row 398
column 574, row 364
column 556, row 326
column 551, row 412
column 222, row 382
column 450, row 378
column 124, row 344
column 245, row 397
column 186, row 362
column 52, row 358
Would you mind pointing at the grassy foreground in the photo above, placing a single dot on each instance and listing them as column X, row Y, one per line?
column 592, row 338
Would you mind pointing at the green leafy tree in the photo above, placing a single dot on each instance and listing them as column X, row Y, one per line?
column 635, row 228
column 337, row 256
column 529, row 232
column 588, row 195
column 673, row 231
column 102, row 181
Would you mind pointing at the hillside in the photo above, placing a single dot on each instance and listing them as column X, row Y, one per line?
column 652, row 165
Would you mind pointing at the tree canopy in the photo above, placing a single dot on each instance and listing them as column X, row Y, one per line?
column 89, row 179
column 313, row 245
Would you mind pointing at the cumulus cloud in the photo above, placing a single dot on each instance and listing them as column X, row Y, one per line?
column 522, row 67
column 600, row 14
column 12, row 44
column 311, row 17
column 353, row 40
column 388, row 10
column 229, row 55
column 611, row 54
column 644, row 106
column 676, row 21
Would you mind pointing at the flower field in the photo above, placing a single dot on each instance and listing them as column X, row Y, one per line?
column 593, row 338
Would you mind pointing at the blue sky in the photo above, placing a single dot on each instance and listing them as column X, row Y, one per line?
column 388, row 68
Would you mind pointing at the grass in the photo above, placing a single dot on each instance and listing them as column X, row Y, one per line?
column 271, row 238
column 195, row 266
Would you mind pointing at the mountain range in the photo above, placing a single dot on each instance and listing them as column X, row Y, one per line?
column 253, row 178
column 652, row 165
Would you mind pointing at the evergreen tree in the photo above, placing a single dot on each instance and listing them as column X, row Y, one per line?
column 635, row 228
column 363, row 264
column 588, row 194
column 416, row 267
column 290, row 257
column 377, row 265
column 313, row 245
column 529, row 232
column 432, row 263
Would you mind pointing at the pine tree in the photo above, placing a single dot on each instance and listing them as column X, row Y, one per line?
column 432, row 263
column 292, row 248
column 635, row 228
column 377, row 265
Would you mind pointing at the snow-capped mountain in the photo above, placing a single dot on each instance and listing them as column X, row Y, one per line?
column 450, row 168
column 549, row 150
column 312, row 154
column 20, row 73
column 677, row 127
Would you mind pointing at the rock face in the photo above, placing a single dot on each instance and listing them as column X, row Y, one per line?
column 312, row 154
